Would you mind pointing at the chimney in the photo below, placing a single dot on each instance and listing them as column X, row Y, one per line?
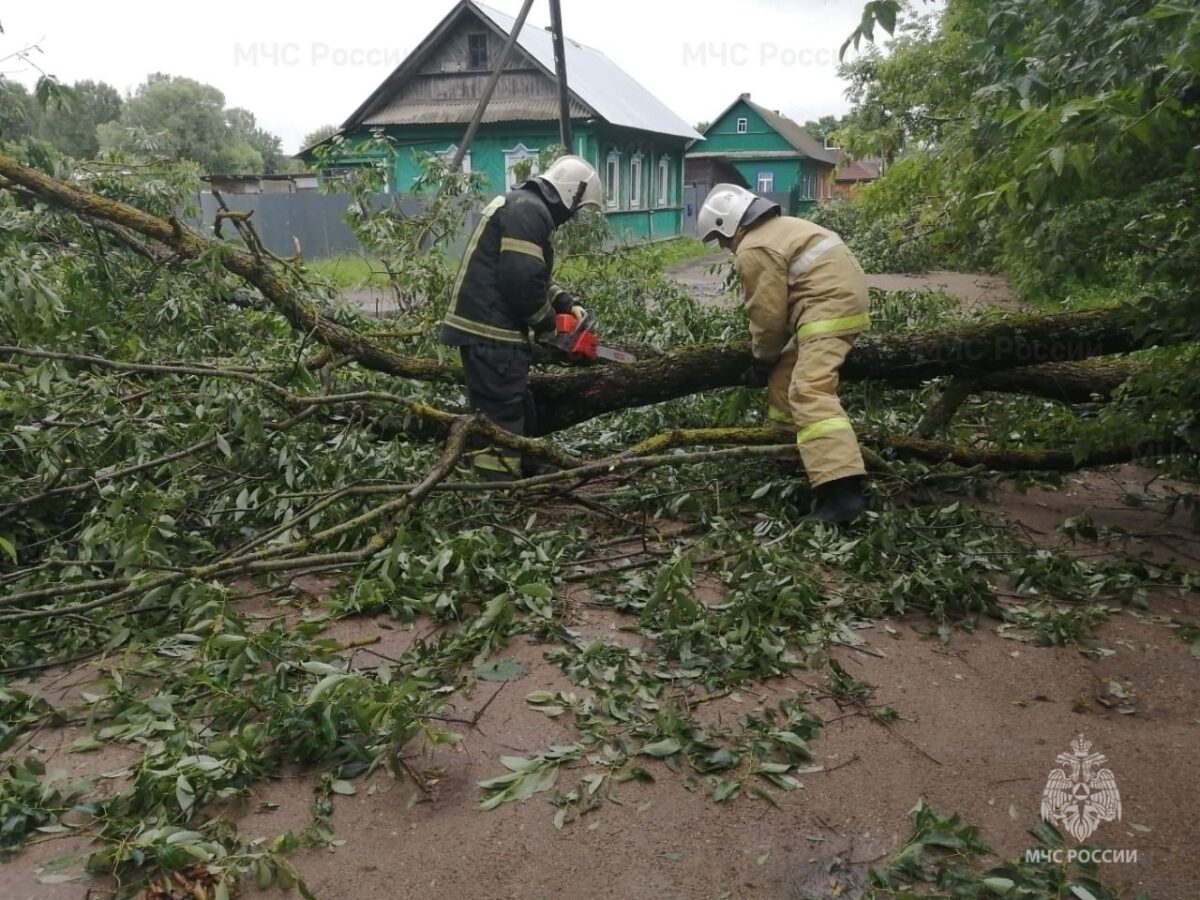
column 744, row 97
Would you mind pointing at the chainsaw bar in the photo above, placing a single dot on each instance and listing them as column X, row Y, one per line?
column 619, row 356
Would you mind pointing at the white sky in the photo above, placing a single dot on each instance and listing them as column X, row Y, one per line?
column 297, row 66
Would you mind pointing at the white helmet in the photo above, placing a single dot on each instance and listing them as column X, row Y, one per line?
column 575, row 181
column 725, row 210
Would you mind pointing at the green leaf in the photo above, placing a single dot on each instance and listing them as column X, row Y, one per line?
column 339, row 786
column 325, row 685
column 185, row 794
column 7, row 546
column 501, row 670
column 726, row 789
column 84, row 744
column 665, row 747
column 1058, row 159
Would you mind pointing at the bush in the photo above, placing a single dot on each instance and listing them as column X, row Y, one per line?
column 1149, row 235
column 882, row 244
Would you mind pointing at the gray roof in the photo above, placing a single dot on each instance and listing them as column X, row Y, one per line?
column 441, row 112
column 598, row 86
column 598, row 81
column 794, row 134
column 790, row 131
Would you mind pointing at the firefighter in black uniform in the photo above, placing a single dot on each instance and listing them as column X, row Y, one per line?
column 503, row 295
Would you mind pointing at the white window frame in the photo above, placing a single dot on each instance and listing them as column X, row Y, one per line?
column 635, row 181
column 664, row 181
column 743, row 126
column 518, row 154
column 448, row 156
column 612, row 179
column 766, row 183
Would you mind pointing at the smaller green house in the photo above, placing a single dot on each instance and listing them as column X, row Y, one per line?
column 765, row 151
column 635, row 142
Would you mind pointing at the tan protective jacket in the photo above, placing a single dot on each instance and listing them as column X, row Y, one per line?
column 800, row 281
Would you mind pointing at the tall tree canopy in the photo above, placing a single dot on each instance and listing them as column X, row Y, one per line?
column 184, row 119
column 71, row 127
column 1057, row 138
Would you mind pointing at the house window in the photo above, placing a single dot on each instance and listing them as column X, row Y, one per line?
column 448, row 156
column 520, row 164
column 743, row 126
column 766, row 182
column 345, row 170
column 635, row 181
column 664, row 180
column 612, row 180
column 477, row 51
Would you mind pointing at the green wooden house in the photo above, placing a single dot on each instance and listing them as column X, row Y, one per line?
column 765, row 151
column 636, row 143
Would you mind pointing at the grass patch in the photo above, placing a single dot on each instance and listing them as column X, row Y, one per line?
column 350, row 270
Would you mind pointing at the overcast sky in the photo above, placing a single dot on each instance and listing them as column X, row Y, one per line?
column 297, row 69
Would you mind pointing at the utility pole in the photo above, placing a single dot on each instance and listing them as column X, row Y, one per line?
column 560, row 72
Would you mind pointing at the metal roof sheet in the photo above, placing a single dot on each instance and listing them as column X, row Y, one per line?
column 441, row 112
column 598, row 81
column 794, row 133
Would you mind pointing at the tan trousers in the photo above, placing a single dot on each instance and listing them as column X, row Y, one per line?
column 802, row 394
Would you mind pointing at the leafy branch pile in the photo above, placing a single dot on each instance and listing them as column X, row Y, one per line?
column 188, row 423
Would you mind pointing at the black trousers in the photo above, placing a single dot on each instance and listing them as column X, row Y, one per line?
column 497, row 377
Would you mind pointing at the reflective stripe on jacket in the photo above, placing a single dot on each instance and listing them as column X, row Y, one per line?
column 503, row 287
column 801, row 282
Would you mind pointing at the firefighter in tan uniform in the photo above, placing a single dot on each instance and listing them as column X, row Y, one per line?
column 806, row 298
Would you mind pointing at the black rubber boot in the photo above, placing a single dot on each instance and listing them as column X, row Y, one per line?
column 839, row 502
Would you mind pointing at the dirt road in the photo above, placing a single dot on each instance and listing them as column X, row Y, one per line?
column 704, row 279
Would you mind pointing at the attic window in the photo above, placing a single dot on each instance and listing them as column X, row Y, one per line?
column 477, row 50
column 743, row 125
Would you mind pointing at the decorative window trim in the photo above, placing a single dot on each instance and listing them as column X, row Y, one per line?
column 612, row 179
column 448, row 156
column 636, row 174
column 517, row 154
column 743, row 125
column 664, row 181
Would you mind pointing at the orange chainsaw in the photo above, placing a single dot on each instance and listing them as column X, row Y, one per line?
column 577, row 339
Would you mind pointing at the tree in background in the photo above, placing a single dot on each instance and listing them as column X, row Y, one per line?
column 246, row 133
column 317, row 135
column 184, row 119
column 1056, row 139
column 17, row 111
column 71, row 128
column 823, row 127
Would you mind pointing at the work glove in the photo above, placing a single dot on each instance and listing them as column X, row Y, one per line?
column 757, row 375
column 564, row 302
column 578, row 312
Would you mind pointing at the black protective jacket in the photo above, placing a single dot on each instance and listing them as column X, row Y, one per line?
column 503, row 291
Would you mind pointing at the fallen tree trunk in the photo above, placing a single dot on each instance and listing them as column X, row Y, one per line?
column 1032, row 354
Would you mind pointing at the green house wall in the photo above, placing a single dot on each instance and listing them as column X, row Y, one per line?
column 653, row 217
column 722, row 136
